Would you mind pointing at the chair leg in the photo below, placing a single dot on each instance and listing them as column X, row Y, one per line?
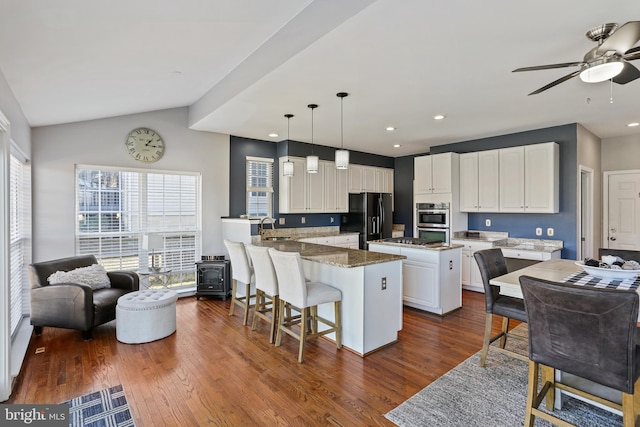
column 628, row 409
column 532, row 391
column 505, row 329
column 304, row 330
column 247, row 304
column 87, row 335
column 274, row 318
column 234, row 288
column 549, row 376
column 259, row 305
column 487, row 338
column 281, row 319
column 338, row 323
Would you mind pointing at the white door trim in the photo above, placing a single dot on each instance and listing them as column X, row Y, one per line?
column 605, row 201
column 588, row 198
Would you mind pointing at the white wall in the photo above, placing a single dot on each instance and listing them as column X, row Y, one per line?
column 622, row 153
column 20, row 129
column 57, row 149
column 588, row 154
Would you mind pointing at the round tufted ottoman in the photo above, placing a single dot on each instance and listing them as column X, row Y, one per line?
column 147, row 315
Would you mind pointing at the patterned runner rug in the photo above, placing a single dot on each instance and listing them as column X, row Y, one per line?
column 495, row 395
column 106, row 407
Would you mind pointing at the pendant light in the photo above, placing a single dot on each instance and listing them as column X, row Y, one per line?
column 287, row 166
column 312, row 161
column 342, row 155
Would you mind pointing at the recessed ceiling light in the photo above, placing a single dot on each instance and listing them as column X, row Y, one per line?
column 633, row 124
column 396, row 145
column 390, row 128
column 273, row 135
column 439, row 117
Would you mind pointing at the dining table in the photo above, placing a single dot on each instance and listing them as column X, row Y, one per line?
column 560, row 270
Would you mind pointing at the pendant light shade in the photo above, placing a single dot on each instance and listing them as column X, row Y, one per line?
column 342, row 155
column 287, row 166
column 312, row 161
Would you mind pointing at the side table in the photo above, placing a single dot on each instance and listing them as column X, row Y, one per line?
column 162, row 275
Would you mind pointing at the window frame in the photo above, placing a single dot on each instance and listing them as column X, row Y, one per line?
column 252, row 201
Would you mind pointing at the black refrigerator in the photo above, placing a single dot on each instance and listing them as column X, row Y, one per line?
column 370, row 214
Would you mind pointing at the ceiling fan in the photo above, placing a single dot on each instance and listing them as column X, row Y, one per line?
column 608, row 60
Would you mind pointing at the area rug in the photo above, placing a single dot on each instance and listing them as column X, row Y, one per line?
column 108, row 408
column 495, row 395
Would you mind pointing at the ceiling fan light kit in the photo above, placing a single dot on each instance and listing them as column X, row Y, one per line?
column 607, row 61
column 602, row 70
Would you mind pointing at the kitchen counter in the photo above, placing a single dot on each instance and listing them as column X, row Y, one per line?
column 340, row 257
column 371, row 287
column 431, row 247
column 501, row 240
column 304, row 233
column 482, row 236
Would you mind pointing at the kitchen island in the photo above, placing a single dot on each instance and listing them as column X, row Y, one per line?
column 371, row 286
column 431, row 273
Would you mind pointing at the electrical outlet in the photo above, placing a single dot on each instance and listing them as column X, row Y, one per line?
column 384, row 283
column 549, row 231
column 538, row 231
column 281, row 220
column 303, row 220
column 487, row 222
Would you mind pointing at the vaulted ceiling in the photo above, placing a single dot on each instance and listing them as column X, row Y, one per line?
column 241, row 65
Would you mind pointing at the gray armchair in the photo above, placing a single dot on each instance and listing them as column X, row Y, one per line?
column 74, row 305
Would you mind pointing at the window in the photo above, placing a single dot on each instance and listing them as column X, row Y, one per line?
column 117, row 208
column 19, row 238
column 259, row 187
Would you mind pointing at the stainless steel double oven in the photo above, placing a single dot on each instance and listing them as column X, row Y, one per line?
column 433, row 221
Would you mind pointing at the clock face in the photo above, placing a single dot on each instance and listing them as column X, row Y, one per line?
column 144, row 145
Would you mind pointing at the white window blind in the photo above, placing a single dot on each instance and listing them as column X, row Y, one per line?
column 259, row 187
column 20, row 238
column 117, row 208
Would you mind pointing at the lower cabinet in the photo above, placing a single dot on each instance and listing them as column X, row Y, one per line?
column 471, row 278
column 430, row 278
column 349, row 241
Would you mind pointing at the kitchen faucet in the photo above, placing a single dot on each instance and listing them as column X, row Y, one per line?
column 261, row 225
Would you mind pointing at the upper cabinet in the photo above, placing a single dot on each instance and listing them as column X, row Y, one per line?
column 328, row 190
column 433, row 174
column 479, row 181
column 529, row 178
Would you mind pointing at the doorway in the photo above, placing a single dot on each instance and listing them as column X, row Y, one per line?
column 585, row 216
column 621, row 211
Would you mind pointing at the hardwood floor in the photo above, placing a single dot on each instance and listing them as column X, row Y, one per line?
column 216, row 371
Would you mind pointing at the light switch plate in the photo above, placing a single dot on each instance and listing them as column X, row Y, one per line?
column 303, row 220
column 281, row 220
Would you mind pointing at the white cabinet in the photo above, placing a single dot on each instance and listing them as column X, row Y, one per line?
column 362, row 178
column 430, row 279
column 530, row 255
column 384, row 180
column 471, row 278
column 336, row 197
column 433, row 174
column 479, row 181
column 529, row 178
column 350, row 241
column 325, row 191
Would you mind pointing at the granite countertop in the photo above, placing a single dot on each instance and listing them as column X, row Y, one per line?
column 304, row 233
column 432, row 247
column 340, row 257
column 502, row 240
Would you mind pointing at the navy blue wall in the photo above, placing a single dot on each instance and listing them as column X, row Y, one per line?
column 240, row 148
column 518, row 225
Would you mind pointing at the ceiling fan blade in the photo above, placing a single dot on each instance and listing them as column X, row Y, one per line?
column 622, row 39
column 631, row 54
column 548, row 67
column 556, row 82
column 628, row 74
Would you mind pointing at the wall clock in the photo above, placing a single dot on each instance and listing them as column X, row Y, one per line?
column 144, row 145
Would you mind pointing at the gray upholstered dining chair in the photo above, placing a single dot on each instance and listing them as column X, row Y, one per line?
column 241, row 271
column 266, row 305
column 493, row 264
column 584, row 331
column 305, row 296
